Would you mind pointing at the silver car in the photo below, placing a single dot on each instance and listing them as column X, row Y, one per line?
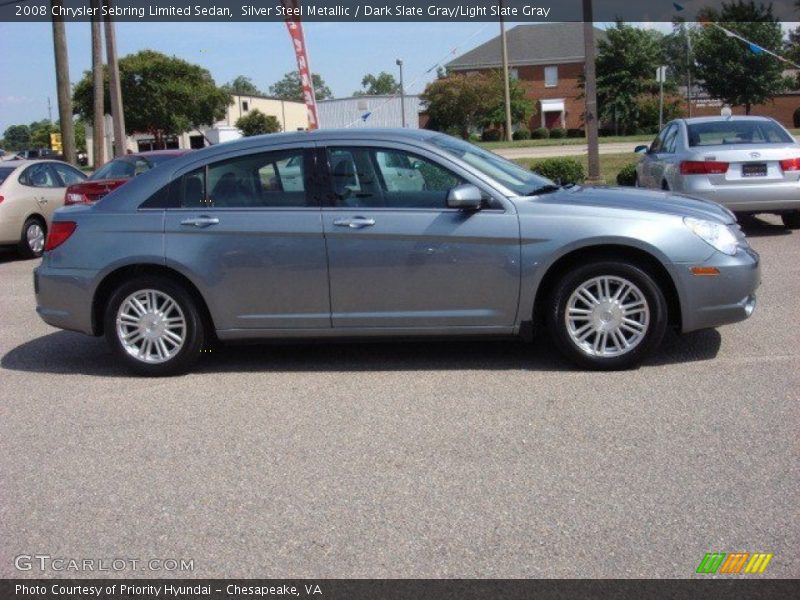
column 748, row 164
column 216, row 245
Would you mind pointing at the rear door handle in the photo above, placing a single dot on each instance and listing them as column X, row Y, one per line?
column 200, row 221
column 354, row 223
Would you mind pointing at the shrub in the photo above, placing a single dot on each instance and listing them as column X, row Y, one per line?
column 492, row 135
column 558, row 133
column 522, row 134
column 627, row 176
column 540, row 133
column 560, row 170
column 257, row 123
column 576, row 133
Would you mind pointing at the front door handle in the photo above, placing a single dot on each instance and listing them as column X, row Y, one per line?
column 42, row 200
column 354, row 223
column 203, row 221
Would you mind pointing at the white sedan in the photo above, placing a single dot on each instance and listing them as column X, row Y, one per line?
column 30, row 191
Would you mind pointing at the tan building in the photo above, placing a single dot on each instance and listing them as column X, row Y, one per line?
column 292, row 116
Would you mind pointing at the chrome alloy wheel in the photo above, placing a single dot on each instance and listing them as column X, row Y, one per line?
column 151, row 326
column 607, row 316
column 34, row 235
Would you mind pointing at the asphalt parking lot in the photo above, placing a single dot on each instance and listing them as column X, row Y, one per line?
column 468, row 459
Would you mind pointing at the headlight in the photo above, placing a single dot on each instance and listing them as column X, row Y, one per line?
column 716, row 235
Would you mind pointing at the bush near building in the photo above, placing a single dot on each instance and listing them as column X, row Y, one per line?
column 561, row 170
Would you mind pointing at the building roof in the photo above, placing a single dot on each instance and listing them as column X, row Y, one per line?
column 534, row 44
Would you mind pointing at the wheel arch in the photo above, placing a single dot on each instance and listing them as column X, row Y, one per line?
column 113, row 279
column 638, row 256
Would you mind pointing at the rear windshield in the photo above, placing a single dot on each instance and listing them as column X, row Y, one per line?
column 120, row 168
column 720, row 133
column 5, row 172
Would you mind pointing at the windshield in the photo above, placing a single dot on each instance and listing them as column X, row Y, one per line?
column 718, row 133
column 5, row 172
column 116, row 169
column 504, row 172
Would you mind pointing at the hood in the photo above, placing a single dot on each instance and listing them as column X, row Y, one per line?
column 641, row 200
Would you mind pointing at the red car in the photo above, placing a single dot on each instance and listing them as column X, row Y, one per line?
column 116, row 172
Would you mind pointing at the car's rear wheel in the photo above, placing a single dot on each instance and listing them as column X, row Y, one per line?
column 791, row 220
column 32, row 240
column 154, row 326
column 607, row 315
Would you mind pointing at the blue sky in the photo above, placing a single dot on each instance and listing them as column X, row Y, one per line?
column 341, row 52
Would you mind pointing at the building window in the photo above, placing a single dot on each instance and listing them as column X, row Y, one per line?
column 513, row 73
column 551, row 76
column 245, row 106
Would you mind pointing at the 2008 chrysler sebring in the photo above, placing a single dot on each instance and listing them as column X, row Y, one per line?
column 385, row 233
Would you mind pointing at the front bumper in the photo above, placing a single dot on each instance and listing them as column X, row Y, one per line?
column 714, row 300
column 64, row 297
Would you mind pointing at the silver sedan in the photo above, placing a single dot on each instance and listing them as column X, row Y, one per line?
column 747, row 164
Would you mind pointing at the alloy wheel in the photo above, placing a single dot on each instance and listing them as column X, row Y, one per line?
column 151, row 326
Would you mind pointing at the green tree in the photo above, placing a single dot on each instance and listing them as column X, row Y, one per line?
column 256, row 123
column 163, row 95
column 289, row 88
column 40, row 133
column 243, row 86
column 17, row 137
column 727, row 67
column 494, row 110
column 384, row 84
column 626, row 69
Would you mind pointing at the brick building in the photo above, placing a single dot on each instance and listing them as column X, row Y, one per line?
column 781, row 107
column 548, row 60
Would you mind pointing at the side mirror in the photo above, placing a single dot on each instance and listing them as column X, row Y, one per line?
column 465, row 197
column 641, row 149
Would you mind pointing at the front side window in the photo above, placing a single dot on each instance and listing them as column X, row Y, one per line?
column 388, row 178
column 68, row 174
column 551, row 76
column 265, row 180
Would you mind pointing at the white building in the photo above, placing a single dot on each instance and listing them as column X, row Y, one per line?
column 369, row 111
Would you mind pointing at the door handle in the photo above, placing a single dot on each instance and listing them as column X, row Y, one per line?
column 354, row 223
column 42, row 200
column 200, row 221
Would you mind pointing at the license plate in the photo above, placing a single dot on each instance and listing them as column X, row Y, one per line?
column 754, row 170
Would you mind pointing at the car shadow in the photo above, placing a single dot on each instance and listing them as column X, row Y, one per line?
column 64, row 353
column 754, row 226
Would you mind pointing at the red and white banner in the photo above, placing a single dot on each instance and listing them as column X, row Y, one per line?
column 295, row 28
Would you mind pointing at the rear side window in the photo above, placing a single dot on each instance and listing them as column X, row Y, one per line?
column 719, row 133
column 264, row 180
column 39, row 175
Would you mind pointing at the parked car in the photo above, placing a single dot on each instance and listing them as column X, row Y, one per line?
column 30, row 192
column 37, row 153
column 213, row 245
column 116, row 172
column 748, row 164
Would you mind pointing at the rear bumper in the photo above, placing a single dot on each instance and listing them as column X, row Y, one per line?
column 64, row 298
column 711, row 301
column 774, row 197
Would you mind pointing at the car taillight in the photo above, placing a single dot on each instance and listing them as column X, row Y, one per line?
column 76, row 198
column 791, row 164
column 59, row 233
column 1, row 199
column 703, row 167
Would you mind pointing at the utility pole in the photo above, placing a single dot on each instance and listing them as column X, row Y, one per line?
column 399, row 63
column 49, row 110
column 98, row 85
column 117, row 116
column 590, row 91
column 506, row 85
column 63, row 85
column 688, row 71
column 661, row 76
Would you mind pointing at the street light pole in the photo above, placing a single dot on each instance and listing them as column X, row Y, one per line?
column 399, row 63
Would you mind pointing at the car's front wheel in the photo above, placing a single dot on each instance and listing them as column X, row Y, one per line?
column 607, row 315
column 791, row 220
column 154, row 326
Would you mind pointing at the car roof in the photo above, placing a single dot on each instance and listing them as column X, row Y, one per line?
column 21, row 162
column 692, row 120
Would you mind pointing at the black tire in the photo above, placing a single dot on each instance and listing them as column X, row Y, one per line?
column 791, row 220
column 26, row 249
column 193, row 334
column 619, row 270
